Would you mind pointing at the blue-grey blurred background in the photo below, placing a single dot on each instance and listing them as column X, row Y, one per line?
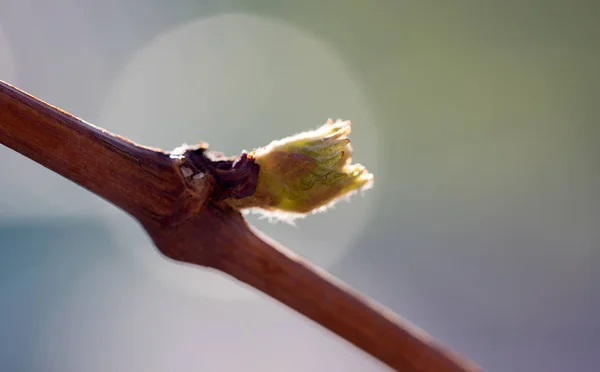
column 480, row 120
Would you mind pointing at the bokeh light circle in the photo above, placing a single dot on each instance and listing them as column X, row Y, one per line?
column 239, row 81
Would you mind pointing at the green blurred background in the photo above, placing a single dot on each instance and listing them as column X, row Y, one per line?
column 480, row 120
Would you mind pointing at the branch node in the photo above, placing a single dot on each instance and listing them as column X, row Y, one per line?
column 235, row 178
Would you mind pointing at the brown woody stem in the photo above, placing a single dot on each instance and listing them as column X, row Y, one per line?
column 189, row 222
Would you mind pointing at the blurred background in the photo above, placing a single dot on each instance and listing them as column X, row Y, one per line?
column 479, row 119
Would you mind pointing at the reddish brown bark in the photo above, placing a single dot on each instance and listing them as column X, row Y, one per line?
column 193, row 226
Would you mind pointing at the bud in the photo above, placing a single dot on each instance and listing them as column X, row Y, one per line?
column 306, row 172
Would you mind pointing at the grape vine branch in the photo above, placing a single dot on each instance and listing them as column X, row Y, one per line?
column 189, row 223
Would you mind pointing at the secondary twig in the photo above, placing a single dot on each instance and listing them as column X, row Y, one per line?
column 182, row 213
